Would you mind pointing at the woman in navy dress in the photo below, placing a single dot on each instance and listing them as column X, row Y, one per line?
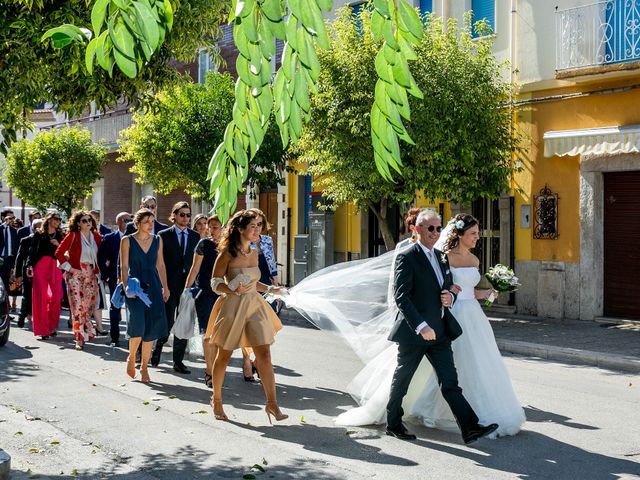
column 141, row 258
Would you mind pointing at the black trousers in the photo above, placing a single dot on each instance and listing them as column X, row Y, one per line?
column 5, row 270
column 179, row 344
column 26, row 307
column 114, row 313
column 441, row 357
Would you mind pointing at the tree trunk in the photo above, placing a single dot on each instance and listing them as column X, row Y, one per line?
column 381, row 211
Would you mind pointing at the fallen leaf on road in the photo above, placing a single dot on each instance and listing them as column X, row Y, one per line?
column 258, row 467
column 157, row 408
column 199, row 411
column 145, row 402
column 74, row 472
column 302, row 419
column 157, row 399
column 30, row 418
column 33, row 450
column 172, row 397
column 55, row 442
column 249, row 476
column 18, row 433
column 264, row 461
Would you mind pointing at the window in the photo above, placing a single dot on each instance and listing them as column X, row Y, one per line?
column 426, row 6
column 205, row 63
column 356, row 9
column 484, row 10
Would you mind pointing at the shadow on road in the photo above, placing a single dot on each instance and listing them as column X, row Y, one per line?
column 536, row 415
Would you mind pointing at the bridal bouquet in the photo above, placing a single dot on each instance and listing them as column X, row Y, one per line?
column 502, row 279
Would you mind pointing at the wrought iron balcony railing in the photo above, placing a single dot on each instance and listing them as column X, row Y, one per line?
column 602, row 33
column 104, row 127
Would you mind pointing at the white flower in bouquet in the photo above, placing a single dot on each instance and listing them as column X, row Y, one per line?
column 502, row 279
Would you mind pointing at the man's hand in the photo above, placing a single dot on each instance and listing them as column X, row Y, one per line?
column 428, row 333
column 446, row 298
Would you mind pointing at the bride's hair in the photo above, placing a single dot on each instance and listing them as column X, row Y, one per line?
column 458, row 225
column 230, row 241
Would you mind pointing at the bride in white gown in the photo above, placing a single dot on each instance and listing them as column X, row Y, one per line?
column 352, row 300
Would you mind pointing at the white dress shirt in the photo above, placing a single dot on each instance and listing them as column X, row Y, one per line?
column 431, row 256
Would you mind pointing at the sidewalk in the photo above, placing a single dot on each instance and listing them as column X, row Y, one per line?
column 604, row 345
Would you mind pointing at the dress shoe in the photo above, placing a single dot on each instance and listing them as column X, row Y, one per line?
column 180, row 368
column 100, row 333
column 21, row 322
column 478, row 432
column 401, row 433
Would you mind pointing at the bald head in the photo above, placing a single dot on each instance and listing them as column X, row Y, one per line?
column 122, row 219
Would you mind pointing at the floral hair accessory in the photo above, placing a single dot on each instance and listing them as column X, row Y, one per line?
column 459, row 224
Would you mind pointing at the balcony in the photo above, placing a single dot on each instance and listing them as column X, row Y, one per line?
column 599, row 37
column 104, row 128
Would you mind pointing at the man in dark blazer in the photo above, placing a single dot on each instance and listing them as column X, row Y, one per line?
column 23, row 280
column 178, row 244
column 102, row 229
column 108, row 261
column 8, row 246
column 424, row 326
column 28, row 229
column 149, row 203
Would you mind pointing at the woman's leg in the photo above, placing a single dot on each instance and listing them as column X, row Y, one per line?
column 39, row 302
column 134, row 343
column 54, row 283
column 263, row 356
column 146, row 355
column 247, row 367
column 219, row 369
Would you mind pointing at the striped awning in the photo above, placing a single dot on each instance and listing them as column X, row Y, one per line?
column 607, row 140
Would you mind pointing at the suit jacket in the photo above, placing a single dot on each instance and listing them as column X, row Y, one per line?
column 22, row 257
column 417, row 294
column 104, row 230
column 24, row 232
column 176, row 263
column 14, row 239
column 109, row 251
column 157, row 228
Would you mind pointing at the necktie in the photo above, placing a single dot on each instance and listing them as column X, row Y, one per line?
column 436, row 267
column 5, row 253
column 182, row 242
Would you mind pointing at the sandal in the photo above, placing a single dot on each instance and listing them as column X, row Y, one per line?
column 208, row 380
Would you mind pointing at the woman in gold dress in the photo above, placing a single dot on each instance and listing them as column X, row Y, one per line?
column 241, row 317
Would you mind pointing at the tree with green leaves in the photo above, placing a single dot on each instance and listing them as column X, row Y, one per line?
column 133, row 27
column 32, row 70
column 171, row 142
column 55, row 169
column 462, row 131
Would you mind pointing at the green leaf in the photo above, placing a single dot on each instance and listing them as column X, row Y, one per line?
column 240, row 39
column 63, row 35
column 272, row 9
column 302, row 94
column 98, row 14
column 90, row 55
column 382, row 7
column 148, row 24
column 377, row 23
column 401, row 72
column 325, row 5
column 168, row 14
column 244, row 8
column 410, row 19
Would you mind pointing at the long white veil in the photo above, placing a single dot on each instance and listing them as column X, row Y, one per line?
column 350, row 299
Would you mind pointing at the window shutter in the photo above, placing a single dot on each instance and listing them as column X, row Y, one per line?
column 484, row 9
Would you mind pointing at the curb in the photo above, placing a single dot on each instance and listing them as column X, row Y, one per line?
column 5, row 465
column 572, row 355
column 610, row 361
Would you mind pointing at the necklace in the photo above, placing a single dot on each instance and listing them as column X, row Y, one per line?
column 245, row 254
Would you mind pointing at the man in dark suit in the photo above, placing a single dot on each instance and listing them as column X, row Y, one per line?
column 178, row 244
column 424, row 326
column 149, row 203
column 102, row 229
column 8, row 246
column 28, row 229
column 108, row 261
column 23, row 280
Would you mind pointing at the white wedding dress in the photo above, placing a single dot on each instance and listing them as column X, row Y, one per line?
column 351, row 299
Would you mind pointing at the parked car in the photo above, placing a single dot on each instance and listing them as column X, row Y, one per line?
column 5, row 318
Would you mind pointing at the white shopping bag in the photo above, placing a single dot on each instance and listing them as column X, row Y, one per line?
column 186, row 318
column 194, row 346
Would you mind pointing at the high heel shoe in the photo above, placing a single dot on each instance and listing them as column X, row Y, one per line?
column 254, row 369
column 272, row 409
column 131, row 366
column 218, row 410
column 144, row 375
column 208, row 380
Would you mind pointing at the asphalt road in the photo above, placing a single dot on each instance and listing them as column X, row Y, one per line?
column 64, row 412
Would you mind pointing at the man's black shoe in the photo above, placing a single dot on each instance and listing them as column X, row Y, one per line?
column 155, row 358
column 401, row 433
column 180, row 368
column 21, row 322
column 479, row 432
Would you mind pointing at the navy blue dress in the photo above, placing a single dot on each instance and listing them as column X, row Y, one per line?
column 150, row 322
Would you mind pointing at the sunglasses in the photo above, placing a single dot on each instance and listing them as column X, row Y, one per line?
column 431, row 228
column 85, row 220
column 56, row 218
column 182, row 214
column 150, row 206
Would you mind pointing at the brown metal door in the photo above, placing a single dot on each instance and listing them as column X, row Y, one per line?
column 621, row 245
